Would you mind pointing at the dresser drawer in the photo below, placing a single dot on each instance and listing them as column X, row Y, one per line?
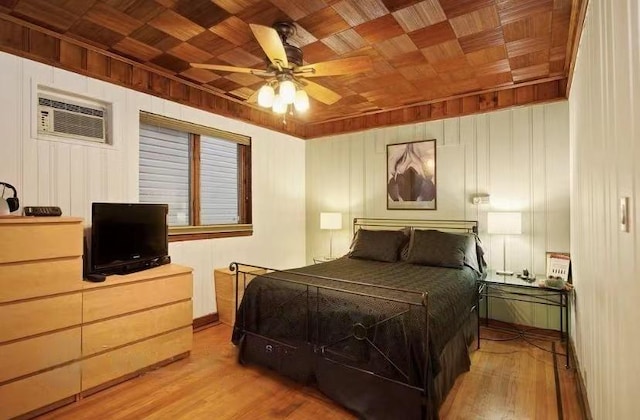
column 39, row 278
column 38, row 241
column 37, row 391
column 32, row 317
column 38, row 353
column 115, row 332
column 121, row 299
column 115, row 364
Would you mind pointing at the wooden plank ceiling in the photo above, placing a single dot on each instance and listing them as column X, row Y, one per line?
column 430, row 59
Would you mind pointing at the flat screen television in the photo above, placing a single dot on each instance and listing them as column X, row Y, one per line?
column 127, row 237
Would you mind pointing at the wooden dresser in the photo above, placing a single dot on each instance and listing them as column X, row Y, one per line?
column 135, row 321
column 40, row 312
column 61, row 337
column 225, row 285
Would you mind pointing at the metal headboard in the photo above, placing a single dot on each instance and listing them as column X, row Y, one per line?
column 461, row 226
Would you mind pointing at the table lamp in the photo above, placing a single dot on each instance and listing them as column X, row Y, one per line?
column 330, row 221
column 504, row 223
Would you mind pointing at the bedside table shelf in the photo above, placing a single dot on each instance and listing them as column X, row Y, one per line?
column 513, row 288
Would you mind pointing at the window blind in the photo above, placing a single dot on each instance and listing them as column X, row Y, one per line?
column 187, row 127
column 164, row 171
column 218, row 181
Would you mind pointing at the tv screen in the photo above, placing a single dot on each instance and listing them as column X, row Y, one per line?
column 128, row 237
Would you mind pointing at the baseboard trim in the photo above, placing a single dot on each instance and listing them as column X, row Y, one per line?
column 582, row 389
column 49, row 407
column 205, row 321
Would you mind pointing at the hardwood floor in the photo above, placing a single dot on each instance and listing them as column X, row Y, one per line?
column 508, row 380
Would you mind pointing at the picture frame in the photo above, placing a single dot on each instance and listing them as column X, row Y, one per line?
column 411, row 175
column 558, row 266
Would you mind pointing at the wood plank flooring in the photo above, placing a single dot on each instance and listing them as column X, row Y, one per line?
column 508, row 380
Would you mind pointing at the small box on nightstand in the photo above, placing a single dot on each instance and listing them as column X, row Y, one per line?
column 225, row 289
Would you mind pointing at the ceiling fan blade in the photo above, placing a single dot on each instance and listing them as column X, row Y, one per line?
column 218, row 67
column 336, row 67
column 270, row 42
column 321, row 93
column 254, row 97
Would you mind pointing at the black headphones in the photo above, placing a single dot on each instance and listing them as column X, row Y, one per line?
column 13, row 202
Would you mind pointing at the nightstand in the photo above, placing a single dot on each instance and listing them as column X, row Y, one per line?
column 513, row 288
column 225, row 286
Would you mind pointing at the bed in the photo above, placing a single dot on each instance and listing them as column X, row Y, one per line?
column 384, row 330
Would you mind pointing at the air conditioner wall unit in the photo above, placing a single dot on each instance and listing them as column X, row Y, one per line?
column 63, row 117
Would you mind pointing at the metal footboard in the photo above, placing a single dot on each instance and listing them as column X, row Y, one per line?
column 349, row 342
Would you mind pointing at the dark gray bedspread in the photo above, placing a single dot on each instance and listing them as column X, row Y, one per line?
column 394, row 343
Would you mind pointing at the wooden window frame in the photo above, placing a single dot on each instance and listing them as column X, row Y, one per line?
column 195, row 231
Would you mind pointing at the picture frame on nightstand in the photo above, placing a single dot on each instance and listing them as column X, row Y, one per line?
column 559, row 266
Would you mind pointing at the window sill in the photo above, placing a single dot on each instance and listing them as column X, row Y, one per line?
column 194, row 233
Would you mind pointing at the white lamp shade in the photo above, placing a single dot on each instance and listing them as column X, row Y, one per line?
column 265, row 96
column 302, row 101
column 287, row 91
column 331, row 221
column 504, row 223
column 279, row 107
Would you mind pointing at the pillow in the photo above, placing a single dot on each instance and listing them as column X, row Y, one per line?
column 441, row 249
column 404, row 250
column 378, row 245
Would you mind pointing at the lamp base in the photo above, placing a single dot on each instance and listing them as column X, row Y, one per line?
column 504, row 273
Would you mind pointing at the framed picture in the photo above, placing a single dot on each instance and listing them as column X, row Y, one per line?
column 558, row 265
column 411, row 175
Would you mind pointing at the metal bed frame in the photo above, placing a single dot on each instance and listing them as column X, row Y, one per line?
column 324, row 350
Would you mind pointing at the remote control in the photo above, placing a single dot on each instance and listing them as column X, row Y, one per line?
column 40, row 211
column 96, row 277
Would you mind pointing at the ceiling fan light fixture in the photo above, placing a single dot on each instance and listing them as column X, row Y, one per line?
column 279, row 106
column 266, row 95
column 301, row 102
column 287, row 91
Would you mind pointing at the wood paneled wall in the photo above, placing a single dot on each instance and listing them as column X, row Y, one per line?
column 73, row 174
column 605, row 151
column 492, row 100
column 518, row 156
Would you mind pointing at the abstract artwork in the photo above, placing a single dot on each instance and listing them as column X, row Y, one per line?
column 411, row 175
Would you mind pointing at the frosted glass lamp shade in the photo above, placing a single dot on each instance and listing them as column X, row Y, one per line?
column 331, row 221
column 504, row 223
column 266, row 95
column 279, row 107
column 302, row 101
column 287, row 91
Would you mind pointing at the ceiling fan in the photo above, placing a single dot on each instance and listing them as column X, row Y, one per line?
column 286, row 72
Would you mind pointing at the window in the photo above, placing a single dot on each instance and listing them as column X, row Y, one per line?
column 203, row 174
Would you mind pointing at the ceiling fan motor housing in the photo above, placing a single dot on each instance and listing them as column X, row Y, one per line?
column 286, row 30
column 294, row 54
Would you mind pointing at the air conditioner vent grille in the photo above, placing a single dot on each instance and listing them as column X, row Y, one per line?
column 70, row 107
column 74, row 119
column 76, row 124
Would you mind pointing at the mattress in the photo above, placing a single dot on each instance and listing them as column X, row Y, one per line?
column 375, row 321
